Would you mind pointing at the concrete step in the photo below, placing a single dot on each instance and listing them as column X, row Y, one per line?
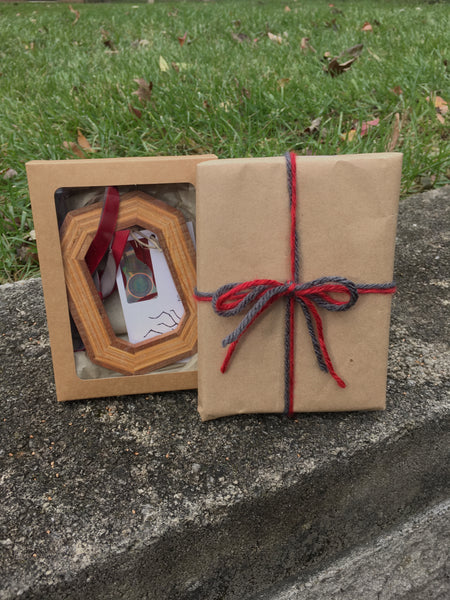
column 135, row 498
column 409, row 563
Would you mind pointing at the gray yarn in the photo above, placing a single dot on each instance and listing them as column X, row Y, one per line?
column 252, row 312
column 376, row 286
column 287, row 320
column 287, row 156
column 287, row 362
column 313, row 336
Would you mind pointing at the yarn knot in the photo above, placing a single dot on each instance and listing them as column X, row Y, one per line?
column 232, row 299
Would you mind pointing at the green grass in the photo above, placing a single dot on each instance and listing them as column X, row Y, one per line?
column 233, row 99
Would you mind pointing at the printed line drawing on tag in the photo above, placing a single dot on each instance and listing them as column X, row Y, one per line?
column 172, row 324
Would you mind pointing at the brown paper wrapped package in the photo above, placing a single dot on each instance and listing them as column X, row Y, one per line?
column 346, row 221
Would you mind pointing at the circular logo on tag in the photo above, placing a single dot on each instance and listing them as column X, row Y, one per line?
column 139, row 285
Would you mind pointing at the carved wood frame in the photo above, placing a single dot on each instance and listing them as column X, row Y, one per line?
column 102, row 345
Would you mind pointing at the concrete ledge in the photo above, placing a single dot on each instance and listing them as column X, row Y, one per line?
column 135, row 498
column 409, row 563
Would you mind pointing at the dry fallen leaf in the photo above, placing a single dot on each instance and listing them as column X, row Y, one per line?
column 9, row 174
column 179, row 66
column 225, row 105
column 348, row 136
column 144, row 91
column 182, row 39
column 341, row 63
column 395, row 134
column 11, row 224
column 366, row 125
column 106, row 39
column 134, row 111
column 336, row 68
column 83, row 143
column 305, row 45
column 27, row 253
column 439, row 103
column 352, row 51
column 441, row 107
column 313, row 126
column 76, row 13
column 275, row 38
column 142, row 43
column 164, row 67
column 283, row 82
column 397, row 90
column 240, row 37
column 367, row 27
column 332, row 25
column 75, row 148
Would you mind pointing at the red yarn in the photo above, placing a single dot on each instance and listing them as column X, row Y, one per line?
column 291, row 356
column 293, row 213
column 390, row 290
column 321, row 339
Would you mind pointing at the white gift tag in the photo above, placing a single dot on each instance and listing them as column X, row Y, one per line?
column 161, row 314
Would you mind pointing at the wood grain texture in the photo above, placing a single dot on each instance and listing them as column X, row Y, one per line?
column 102, row 345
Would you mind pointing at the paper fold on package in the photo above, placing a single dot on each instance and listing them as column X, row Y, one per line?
column 346, row 220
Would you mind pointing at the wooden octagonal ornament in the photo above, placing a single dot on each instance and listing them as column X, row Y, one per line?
column 102, row 345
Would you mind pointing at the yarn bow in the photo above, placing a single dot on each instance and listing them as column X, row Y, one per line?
column 233, row 298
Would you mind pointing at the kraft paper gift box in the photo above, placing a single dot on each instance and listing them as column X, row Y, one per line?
column 346, row 223
column 55, row 188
